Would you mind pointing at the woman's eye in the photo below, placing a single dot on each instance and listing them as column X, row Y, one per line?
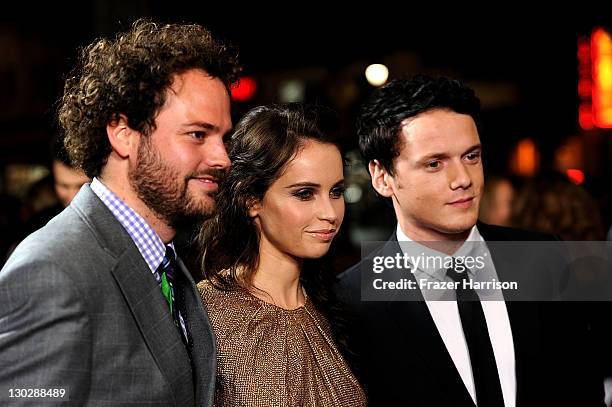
column 303, row 194
column 337, row 192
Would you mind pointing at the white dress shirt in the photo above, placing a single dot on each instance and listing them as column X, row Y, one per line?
column 446, row 317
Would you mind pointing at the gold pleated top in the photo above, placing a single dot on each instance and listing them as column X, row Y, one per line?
column 273, row 357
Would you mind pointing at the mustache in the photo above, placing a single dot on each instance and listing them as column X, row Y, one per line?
column 218, row 174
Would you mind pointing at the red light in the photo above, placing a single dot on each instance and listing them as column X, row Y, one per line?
column 584, row 88
column 244, row 89
column 585, row 116
column 585, row 83
column 576, row 176
column 584, row 50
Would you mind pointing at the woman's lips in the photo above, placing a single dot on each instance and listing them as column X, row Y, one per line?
column 324, row 235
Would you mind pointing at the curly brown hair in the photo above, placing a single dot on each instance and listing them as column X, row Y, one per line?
column 129, row 76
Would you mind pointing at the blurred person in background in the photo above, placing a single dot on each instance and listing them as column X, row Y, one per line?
column 497, row 200
column 38, row 205
column 46, row 197
column 67, row 179
column 11, row 224
column 66, row 182
column 552, row 204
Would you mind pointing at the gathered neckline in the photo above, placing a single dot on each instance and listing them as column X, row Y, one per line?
column 269, row 304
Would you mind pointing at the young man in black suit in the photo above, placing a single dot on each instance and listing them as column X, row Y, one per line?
column 420, row 139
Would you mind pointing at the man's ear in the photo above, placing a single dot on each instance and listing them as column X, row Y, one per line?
column 122, row 138
column 381, row 179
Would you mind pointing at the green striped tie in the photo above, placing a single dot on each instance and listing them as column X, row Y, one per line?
column 168, row 280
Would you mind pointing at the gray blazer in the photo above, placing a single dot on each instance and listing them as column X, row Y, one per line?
column 81, row 311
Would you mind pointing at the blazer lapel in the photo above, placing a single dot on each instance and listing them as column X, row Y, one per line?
column 416, row 324
column 523, row 315
column 203, row 346
column 142, row 294
column 150, row 312
column 421, row 335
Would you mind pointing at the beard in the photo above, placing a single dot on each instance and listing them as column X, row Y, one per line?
column 166, row 193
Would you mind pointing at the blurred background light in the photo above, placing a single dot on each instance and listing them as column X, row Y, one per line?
column 353, row 193
column 525, row 158
column 292, row 90
column 575, row 175
column 377, row 74
column 601, row 52
column 244, row 89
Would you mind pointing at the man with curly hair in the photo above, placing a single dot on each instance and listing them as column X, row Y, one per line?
column 96, row 304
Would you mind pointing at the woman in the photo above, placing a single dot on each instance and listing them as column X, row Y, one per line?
column 278, row 211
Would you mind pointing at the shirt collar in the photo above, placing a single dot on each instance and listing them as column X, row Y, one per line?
column 468, row 248
column 148, row 242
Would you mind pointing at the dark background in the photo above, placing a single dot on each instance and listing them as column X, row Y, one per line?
column 533, row 54
column 522, row 63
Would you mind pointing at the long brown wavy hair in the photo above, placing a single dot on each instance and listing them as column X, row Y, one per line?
column 263, row 143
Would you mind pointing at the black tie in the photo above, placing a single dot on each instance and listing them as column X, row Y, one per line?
column 484, row 368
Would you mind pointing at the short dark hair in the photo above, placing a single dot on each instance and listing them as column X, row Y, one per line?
column 264, row 142
column 380, row 119
column 130, row 75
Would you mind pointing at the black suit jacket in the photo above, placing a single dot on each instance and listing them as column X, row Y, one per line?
column 396, row 351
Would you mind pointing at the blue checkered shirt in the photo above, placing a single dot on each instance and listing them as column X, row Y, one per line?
column 149, row 244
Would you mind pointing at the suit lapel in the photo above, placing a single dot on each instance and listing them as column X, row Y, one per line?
column 142, row 294
column 521, row 320
column 415, row 323
column 203, row 346
column 150, row 312
column 522, row 315
column 421, row 335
